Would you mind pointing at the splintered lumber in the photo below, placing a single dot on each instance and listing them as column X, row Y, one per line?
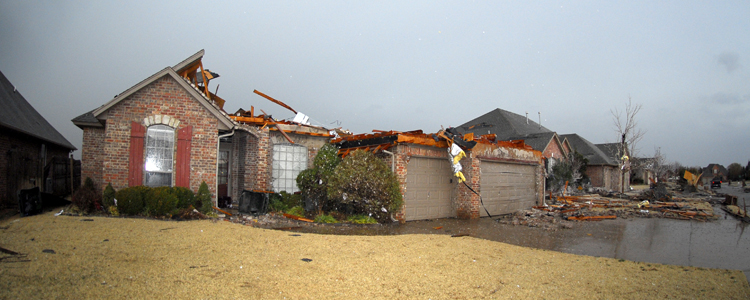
column 275, row 101
column 591, row 218
column 222, row 211
column 297, row 218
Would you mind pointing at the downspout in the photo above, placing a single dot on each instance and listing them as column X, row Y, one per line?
column 218, row 149
column 393, row 160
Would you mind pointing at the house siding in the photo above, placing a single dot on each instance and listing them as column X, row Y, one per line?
column 21, row 161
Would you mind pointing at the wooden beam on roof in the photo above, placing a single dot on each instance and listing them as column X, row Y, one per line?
column 275, row 101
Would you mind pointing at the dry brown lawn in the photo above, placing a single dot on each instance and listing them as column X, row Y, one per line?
column 118, row 258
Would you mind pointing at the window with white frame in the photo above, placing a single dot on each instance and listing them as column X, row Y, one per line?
column 288, row 161
column 159, row 155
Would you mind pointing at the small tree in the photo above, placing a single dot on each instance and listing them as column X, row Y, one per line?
column 628, row 133
column 203, row 199
column 367, row 184
column 109, row 196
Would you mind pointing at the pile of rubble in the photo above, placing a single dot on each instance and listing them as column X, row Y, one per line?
column 661, row 201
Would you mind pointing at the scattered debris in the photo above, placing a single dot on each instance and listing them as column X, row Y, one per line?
column 661, row 201
column 293, row 217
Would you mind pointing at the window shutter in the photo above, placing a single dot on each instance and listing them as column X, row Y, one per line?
column 182, row 169
column 135, row 166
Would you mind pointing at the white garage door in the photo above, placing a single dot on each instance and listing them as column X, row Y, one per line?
column 507, row 187
column 428, row 189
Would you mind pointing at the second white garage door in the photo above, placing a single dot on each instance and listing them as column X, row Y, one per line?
column 429, row 183
column 507, row 187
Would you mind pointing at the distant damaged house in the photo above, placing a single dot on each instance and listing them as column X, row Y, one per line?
column 602, row 169
column 170, row 130
column 508, row 126
column 507, row 175
column 29, row 145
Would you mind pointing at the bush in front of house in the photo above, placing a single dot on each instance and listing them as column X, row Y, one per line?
column 360, row 219
column 130, row 200
column 160, row 201
column 297, row 211
column 313, row 182
column 203, row 199
column 366, row 184
column 185, row 197
column 323, row 218
column 108, row 199
column 87, row 197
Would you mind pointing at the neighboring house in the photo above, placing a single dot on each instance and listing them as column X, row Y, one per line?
column 641, row 170
column 508, row 175
column 714, row 170
column 602, row 169
column 28, row 144
column 170, row 130
column 618, row 154
column 508, row 126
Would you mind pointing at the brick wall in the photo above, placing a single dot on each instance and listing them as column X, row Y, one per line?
column 554, row 151
column 92, row 155
column 163, row 97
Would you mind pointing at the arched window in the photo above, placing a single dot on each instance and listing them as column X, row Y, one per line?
column 159, row 155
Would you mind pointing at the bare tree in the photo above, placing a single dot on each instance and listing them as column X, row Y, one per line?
column 659, row 166
column 627, row 129
column 629, row 134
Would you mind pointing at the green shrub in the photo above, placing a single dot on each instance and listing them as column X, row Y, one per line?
column 185, row 197
column 313, row 182
column 275, row 203
column 113, row 211
column 130, row 200
column 297, row 211
column 160, row 201
column 108, row 199
column 360, row 219
column 87, row 197
column 203, row 199
column 367, row 184
column 323, row 218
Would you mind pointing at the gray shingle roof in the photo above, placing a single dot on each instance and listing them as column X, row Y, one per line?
column 510, row 126
column 506, row 125
column 17, row 114
column 594, row 154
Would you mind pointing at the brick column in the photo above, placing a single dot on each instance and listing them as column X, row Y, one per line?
column 467, row 202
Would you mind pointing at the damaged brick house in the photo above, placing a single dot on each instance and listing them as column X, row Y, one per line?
column 603, row 168
column 507, row 175
column 508, row 126
column 170, row 130
column 29, row 144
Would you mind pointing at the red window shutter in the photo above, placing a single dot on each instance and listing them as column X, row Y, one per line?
column 182, row 169
column 135, row 166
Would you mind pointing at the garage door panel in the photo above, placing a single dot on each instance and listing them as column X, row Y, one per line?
column 507, row 187
column 429, row 189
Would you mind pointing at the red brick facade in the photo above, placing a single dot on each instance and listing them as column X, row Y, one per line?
column 105, row 154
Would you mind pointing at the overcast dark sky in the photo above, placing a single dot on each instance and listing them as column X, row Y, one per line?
column 408, row 65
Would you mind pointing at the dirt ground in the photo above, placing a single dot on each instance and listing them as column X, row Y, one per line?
column 70, row 257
